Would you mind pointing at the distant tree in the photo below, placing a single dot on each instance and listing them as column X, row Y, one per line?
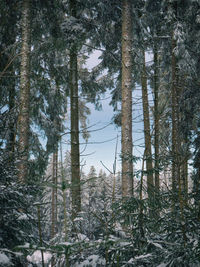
column 147, row 133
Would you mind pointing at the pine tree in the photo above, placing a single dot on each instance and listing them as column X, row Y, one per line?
column 156, row 119
column 75, row 154
column 126, row 139
column 23, row 121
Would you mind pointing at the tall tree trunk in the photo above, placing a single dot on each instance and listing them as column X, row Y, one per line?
column 176, row 142
column 156, row 121
column 75, row 154
column 147, row 134
column 64, row 196
column 126, row 131
column 56, row 185
column 23, row 119
column 53, row 198
column 175, row 164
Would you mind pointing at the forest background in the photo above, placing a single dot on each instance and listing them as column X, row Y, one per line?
column 142, row 208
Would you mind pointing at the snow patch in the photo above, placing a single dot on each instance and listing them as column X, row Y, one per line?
column 23, row 217
column 142, row 256
column 93, row 260
column 4, row 260
column 36, row 257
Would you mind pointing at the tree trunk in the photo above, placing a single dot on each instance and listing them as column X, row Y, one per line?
column 176, row 138
column 24, row 93
column 75, row 154
column 156, row 121
column 147, row 134
column 40, row 234
column 126, row 131
column 54, row 197
column 175, row 164
column 65, row 226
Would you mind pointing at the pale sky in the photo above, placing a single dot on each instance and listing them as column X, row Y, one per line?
column 102, row 143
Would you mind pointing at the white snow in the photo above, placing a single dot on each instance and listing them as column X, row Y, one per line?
column 78, row 219
column 23, row 217
column 82, row 237
column 142, row 256
column 125, row 244
column 92, row 260
column 198, row 19
column 36, row 257
column 4, row 259
column 157, row 245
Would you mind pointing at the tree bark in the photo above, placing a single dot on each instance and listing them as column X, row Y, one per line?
column 174, row 93
column 23, row 119
column 54, row 196
column 156, row 121
column 75, row 154
column 147, row 134
column 176, row 138
column 126, row 130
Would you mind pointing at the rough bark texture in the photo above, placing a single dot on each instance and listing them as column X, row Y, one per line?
column 75, row 155
column 23, row 120
column 147, row 134
column 156, row 121
column 175, row 165
column 126, row 131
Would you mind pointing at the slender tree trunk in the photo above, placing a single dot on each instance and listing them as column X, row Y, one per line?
column 56, row 185
column 141, row 213
column 64, row 183
column 197, row 185
column 156, row 121
column 23, row 119
column 184, row 171
column 75, row 154
column 175, row 164
column 126, row 131
column 40, row 234
column 53, row 198
column 147, row 134
column 11, row 124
